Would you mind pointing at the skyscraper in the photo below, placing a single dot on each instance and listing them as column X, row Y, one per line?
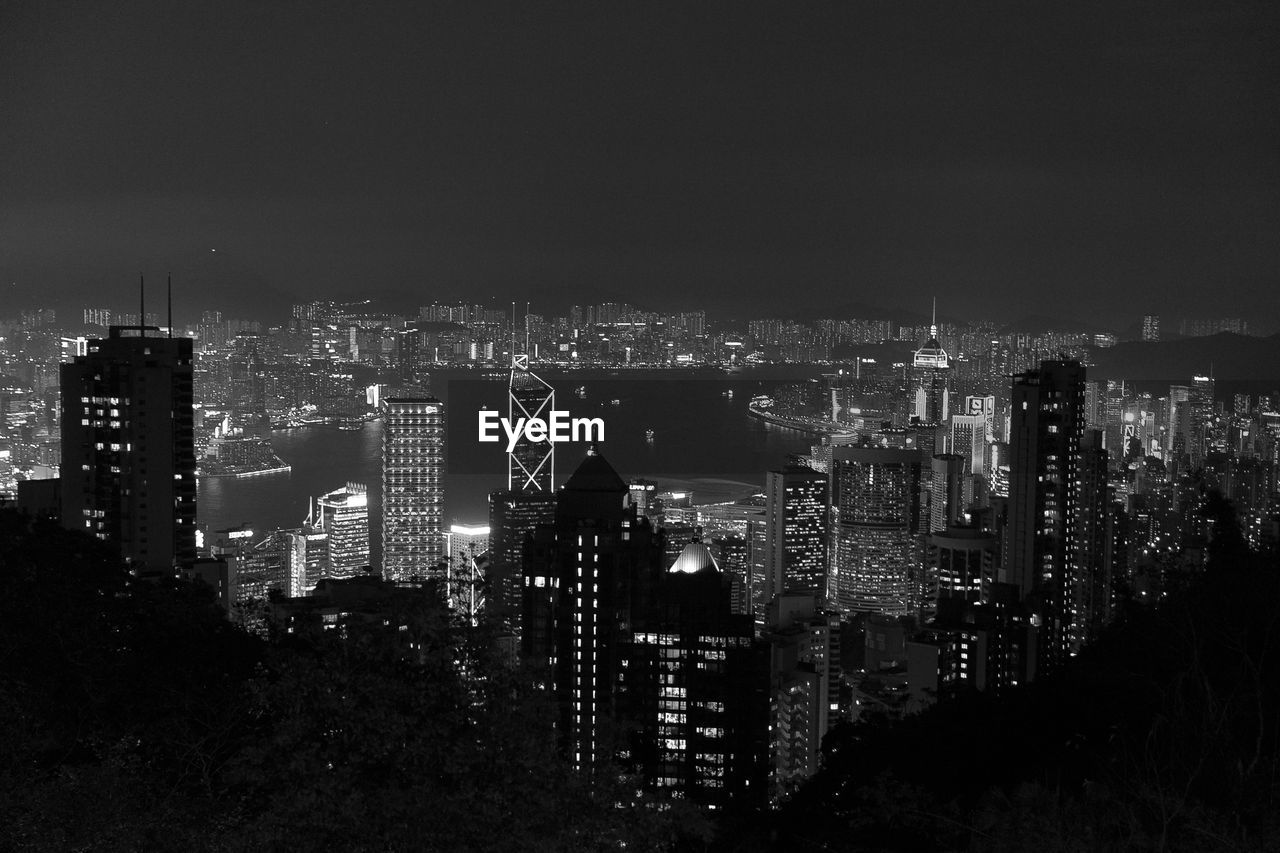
column 1047, row 427
column 344, row 516
column 797, row 530
column 877, row 560
column 529, row 499
column 412, row 488
column 930, row 367
column 128, row 452
column 695, row 688
column 586, row 577
column 468, row 547
column 530, row 465
column 950, row 492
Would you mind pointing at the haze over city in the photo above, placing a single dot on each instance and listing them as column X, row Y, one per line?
column 1093, row 161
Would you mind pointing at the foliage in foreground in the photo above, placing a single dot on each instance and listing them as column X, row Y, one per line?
column 133, row 716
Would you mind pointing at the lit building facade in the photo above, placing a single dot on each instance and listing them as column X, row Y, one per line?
column 876, row 561
column 128, row 448
column 797, row 530
column 695, row 688
column 344, row 517
column 467, row 555
column 413, row 543
column 1047, row 428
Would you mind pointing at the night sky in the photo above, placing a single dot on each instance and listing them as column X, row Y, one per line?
column 1089, row 160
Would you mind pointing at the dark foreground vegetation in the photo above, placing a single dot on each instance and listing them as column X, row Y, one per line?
column 1161, row 736
column 135, row 717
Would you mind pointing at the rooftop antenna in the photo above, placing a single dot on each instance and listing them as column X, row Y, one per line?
column 513, row 330
column 933, row 325
column 526, row 328
column 169, row 288
column 142, row 307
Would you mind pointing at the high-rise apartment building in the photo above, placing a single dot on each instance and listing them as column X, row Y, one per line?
column 128, row 451
column 413, row 543
column 1047, row 428
column 694, row 688
column 797, row 530
column 586, row 577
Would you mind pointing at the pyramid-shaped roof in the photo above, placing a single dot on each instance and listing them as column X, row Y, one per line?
column 594, row 474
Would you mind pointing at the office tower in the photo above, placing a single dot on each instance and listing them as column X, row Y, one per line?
column 530, row 465
column 128, row 451
column 308, row 559
column 586, row 579
column 797, row 530
column 969, row 440
column 413, row 488
column 950, row 492
column 694, row 688
column 1044, row 500
column 930, row 366
column 963, row 562
column 1201, row 408
column 513, row 516
column 529, row 499
column 344, row 516
column 1151, row 327
column 875, row 492
column 468, row 547
column 733, row 555
column 805, row 684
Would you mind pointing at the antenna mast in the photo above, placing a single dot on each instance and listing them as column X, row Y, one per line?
column 169, row 288
column 142, row 307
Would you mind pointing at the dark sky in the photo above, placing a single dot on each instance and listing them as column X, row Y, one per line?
column 1088, row 159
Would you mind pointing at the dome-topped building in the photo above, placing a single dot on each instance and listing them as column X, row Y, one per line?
column 694, row 558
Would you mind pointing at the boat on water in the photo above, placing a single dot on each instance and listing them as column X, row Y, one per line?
column 648, row 435
column 615, row 402
column 728, row 393
column 581, row 392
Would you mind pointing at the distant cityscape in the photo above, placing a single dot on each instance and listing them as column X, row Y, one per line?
column 974, row 511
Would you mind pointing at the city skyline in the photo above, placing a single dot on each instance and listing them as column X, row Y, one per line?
column 756, row 427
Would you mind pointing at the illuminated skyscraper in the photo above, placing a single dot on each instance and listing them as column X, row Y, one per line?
column 344, row 516
column 929, row 367
column 694, row 688
column 128, row 451
column 529, row 499
column 468, row 559
column 413, row 488
column 1044, row 501
column 797, row 531
column 531, row 465
column 877, row 561
column 969, row 439
column 586, row 576
column 950, row 491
